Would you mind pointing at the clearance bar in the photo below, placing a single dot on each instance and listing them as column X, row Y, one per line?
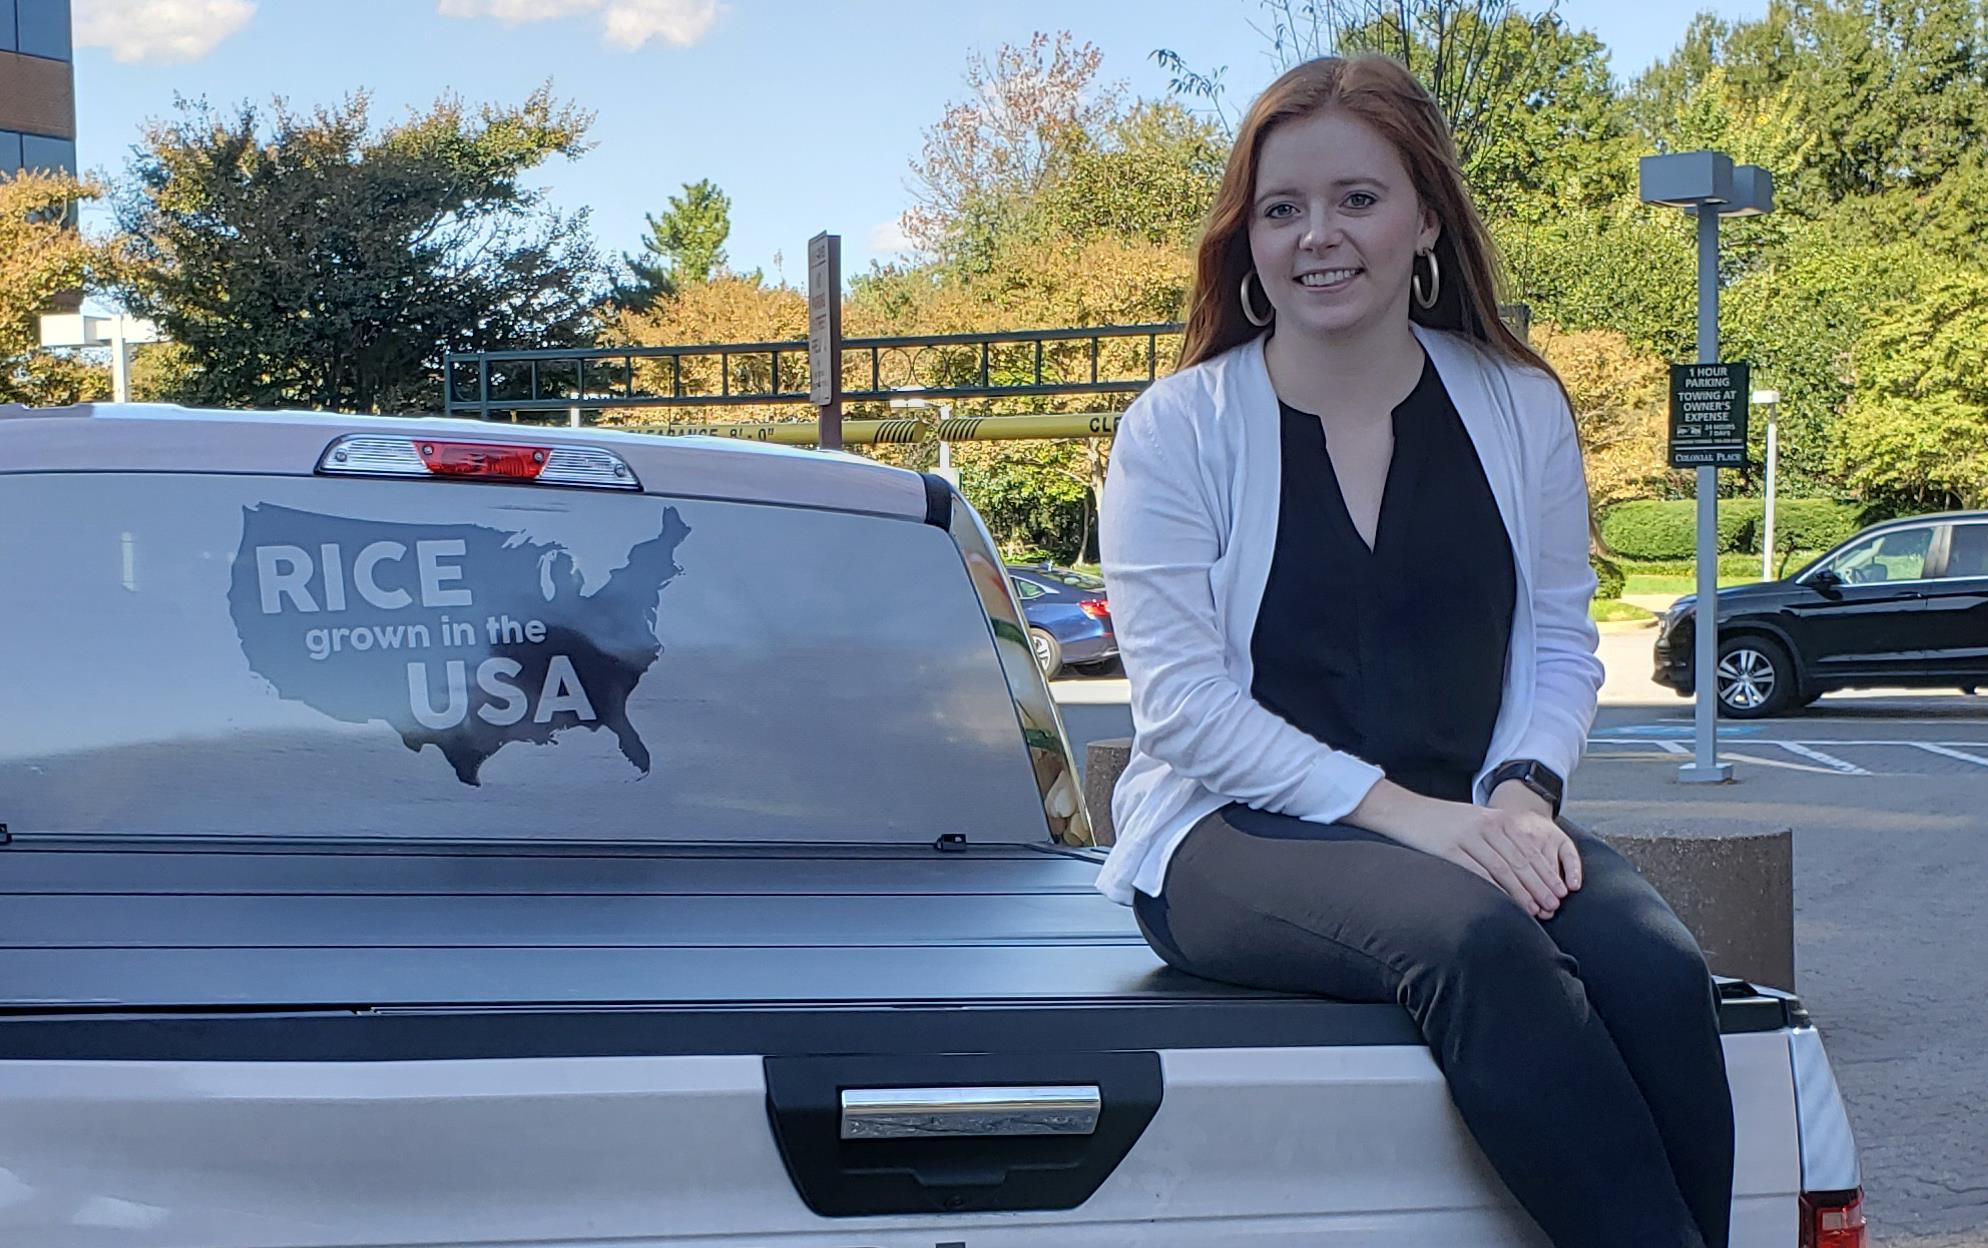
column 872, row 432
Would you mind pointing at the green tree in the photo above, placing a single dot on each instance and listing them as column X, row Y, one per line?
column 1917, row 432
column 1797, row 314
column 1889, row 93
column 1027, row 114
column 686, row 244
column 307, row 260
column 1895, row 90
column 1756, row 58
column 1531, row 102
column 1481, row 59
column 1557, row 138
column 1149, row 175
column 41, row 256
column 1625, row 267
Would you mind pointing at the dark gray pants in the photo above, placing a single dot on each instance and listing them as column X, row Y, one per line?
column 1582, row 1052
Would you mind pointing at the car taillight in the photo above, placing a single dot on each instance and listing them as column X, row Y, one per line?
column 1833, row 1220
column 483, row 459
column 382, row 455
column 1096, row 608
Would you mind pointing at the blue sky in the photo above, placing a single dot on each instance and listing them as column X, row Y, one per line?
column 806, row 112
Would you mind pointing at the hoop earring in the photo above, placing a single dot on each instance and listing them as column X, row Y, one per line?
column 1250, row 312
column 1415, row 282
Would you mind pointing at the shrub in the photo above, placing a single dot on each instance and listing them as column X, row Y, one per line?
column 1667, row 529
column 1813, row 523
column 1610, row 576
column 1654, row 529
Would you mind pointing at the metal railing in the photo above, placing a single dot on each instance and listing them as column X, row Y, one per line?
column 1110, row 359
column 1020, row 363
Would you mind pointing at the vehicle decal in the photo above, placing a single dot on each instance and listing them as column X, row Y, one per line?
column 460, row 636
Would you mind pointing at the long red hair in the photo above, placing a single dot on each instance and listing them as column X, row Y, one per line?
column 1387, row 97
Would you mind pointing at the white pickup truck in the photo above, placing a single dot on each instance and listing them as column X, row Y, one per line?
column 433, row 833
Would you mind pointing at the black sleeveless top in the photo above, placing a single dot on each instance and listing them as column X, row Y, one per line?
column 1394, row 654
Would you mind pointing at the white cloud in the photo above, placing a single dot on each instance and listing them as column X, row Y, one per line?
column 160, row 31
column 890, row 237
column 627, row 24
column 512, row 12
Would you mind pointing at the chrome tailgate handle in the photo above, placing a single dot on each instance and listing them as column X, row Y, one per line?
column 923, row 1113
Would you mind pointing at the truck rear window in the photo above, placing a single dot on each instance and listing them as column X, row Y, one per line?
column 240, row 656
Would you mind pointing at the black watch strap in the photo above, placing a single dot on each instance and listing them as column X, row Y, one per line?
column 1536, row 776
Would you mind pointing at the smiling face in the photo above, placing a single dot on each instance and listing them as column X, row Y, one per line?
column 1335, row 225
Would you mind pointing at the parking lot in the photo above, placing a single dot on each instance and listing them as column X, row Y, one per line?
column 1887, row 794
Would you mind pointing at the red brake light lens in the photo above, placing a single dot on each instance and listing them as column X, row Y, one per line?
column 1096, row 608
column 483, row 459
column 1834, row 1220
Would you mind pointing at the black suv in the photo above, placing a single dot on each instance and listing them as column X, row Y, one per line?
column 1901, row 603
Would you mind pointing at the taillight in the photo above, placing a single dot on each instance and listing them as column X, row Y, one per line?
column 483, row 459
column 1096, row 608
column 381, row 455
column 1833, row 1220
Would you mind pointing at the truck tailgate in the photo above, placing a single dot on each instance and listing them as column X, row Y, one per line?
column 265, row 1045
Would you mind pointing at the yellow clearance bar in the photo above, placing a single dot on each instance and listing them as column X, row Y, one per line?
column 871, row 432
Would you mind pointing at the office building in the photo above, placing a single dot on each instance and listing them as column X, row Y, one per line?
column 37, row 87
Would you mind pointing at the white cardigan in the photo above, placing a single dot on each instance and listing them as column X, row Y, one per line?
column 1188, row 526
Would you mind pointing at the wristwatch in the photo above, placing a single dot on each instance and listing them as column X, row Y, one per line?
column 1536, row 776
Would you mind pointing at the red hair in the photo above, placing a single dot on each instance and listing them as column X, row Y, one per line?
column 1379, row 92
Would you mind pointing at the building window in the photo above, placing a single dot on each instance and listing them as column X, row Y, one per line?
column 8, row 41
column 43, row 27
column 47, row 155
column 10, row 149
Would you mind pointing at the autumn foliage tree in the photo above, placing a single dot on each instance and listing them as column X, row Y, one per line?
column 1618, row 394
column 41, row 257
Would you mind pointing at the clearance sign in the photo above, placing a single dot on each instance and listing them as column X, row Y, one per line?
column 873, row 432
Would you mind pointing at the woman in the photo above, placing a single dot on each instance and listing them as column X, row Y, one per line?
column 1347, row 549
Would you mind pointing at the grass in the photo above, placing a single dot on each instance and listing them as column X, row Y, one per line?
column 1642, row 583
column 1611, row 611
column 1680, row 576
column 1673, row 577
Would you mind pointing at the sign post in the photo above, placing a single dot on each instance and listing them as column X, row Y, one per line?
column 120, row 333
column 825, row 336
column 1708, row 405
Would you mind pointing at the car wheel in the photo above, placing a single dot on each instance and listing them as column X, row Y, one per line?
column 1048, row 652
column 1756, row 678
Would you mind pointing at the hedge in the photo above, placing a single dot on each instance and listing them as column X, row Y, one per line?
column 1666, row 529
column 1610, row 575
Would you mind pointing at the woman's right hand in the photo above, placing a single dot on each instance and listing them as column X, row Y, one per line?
column 1519, row 851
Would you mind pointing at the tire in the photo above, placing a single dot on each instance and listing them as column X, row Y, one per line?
column 1756, row 678
column 1048, row 652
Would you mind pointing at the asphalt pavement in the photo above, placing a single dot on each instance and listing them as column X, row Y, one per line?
column 1887, row 794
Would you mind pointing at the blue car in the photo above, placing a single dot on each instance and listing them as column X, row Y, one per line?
column 1068, row 616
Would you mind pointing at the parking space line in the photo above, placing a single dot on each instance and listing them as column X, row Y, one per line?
column 1674, row 747
column 1783, row 764
column 1948, row 751
column 1828, row 760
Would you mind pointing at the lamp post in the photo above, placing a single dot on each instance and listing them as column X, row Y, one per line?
column 1709, row 186
column 120, row 333
column 1769, row 399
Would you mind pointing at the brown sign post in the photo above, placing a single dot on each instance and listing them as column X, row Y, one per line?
column 825, row 336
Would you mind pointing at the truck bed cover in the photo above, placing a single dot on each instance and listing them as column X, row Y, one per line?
column 249, row 952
